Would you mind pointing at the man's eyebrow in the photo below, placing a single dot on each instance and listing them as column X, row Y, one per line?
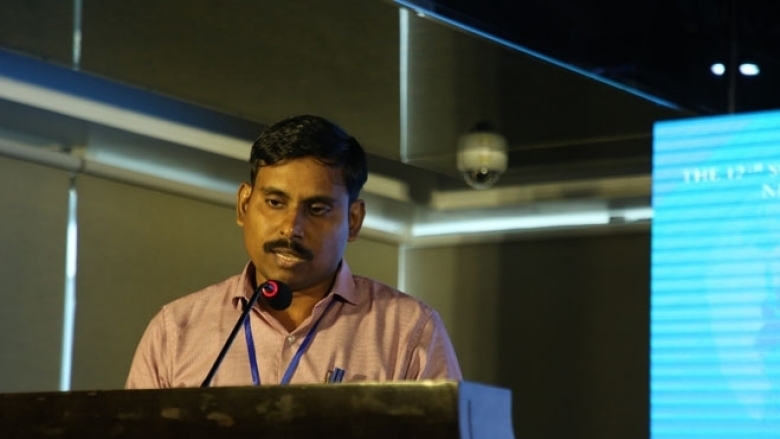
column 325, row 199
column 321, row 199
column 270, row 190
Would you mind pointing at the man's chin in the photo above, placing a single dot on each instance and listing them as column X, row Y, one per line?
column 295, row 279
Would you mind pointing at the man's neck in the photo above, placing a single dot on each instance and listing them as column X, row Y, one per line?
column 302, row 305
column 299, row 310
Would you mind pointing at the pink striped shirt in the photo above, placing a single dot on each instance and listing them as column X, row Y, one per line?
column 373, row 332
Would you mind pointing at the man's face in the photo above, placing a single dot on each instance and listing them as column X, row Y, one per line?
column 297, row 220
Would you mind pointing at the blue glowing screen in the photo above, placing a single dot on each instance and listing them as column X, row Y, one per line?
column 715, row 278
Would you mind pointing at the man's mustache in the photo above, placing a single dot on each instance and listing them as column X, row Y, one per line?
column 299, row 250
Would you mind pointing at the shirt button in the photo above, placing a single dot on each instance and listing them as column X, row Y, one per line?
column 291, row 339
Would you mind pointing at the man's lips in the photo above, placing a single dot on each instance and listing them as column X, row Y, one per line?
column 287, row 259
column 288, row 254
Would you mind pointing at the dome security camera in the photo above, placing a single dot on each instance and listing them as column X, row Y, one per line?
column 482, row 158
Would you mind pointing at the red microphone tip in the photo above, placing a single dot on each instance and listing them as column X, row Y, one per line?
column 270, row 288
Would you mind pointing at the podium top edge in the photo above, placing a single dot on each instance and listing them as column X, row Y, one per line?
column 431, row 385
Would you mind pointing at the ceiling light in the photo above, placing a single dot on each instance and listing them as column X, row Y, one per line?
column 467, row 226
column 718, row 69
column 749, row 69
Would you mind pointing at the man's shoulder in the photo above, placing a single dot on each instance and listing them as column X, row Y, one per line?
column 379, row 292
column 210, row 298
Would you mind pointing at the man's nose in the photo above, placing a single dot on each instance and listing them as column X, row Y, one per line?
column 294, row 224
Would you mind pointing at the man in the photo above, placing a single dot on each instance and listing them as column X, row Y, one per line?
column 298, row 212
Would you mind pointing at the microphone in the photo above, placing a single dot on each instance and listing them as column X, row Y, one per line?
column 276, row 294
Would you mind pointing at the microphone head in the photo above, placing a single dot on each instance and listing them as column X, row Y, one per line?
column 276, row 294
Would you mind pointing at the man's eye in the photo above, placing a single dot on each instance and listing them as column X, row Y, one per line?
column 273, row 202
column 319, row 209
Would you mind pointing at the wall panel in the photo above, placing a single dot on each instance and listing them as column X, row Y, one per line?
column 563, row 322
column 139, row 249
column 33, row 215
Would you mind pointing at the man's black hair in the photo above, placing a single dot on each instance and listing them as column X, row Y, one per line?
column 315, row 137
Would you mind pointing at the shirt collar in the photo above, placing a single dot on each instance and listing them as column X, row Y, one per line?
column 344, row 285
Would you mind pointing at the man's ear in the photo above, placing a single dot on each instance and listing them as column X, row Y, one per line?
column 242, row 202
column 357, row 212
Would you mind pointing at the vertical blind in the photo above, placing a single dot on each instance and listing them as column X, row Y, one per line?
column 33, row 221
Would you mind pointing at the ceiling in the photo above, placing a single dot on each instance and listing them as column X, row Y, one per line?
column 572, row 88
column 662, row 47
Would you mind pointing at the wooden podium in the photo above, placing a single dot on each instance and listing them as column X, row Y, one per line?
column 406, row 410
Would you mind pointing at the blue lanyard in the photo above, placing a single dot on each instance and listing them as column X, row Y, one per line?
column 250, row 346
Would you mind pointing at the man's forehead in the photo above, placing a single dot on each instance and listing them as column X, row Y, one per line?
column 298, row 178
